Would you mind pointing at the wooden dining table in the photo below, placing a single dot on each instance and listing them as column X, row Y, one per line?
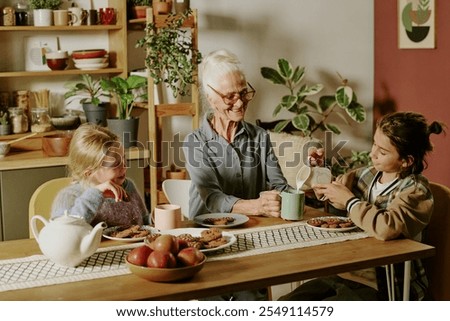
column 228, row 275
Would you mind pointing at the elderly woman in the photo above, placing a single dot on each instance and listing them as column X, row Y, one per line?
column 230, row 161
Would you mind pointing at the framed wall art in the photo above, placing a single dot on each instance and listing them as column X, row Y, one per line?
column 416, row 28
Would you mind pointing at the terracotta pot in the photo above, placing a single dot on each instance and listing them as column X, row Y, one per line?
column 140, row 12
column 161, row 7
column 180, row 174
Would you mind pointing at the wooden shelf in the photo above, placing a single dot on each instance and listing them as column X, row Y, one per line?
column 62, row 28
column 160, row 21
column 48, row 73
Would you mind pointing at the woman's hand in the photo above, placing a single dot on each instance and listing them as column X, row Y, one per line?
column 112, row 190
column 337, row 193
column 270, row 203
column 316, row 156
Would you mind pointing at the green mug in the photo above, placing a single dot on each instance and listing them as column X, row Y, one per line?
column 292, row 205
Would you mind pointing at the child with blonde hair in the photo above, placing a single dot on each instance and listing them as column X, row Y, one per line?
column 100, row 191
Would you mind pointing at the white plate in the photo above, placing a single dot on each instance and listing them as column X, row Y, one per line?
column 90, row 61
column 109, row 230
column 91, row 66
column 238, row 219
column 341, row 218
column 196, row 232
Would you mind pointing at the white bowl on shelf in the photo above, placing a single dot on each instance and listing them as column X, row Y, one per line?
column 91, row 66
column 88, row 61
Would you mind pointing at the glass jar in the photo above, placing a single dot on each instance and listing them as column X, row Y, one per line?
column 18, row 120
column 40, row 120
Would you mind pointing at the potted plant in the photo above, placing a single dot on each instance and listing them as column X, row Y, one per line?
column 310, row 116
column 171, row 55
column 43, row 11
column 124, row 92
column 91, row 92
column 139, row 7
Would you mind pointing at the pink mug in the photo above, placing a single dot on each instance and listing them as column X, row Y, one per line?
column 107, row 16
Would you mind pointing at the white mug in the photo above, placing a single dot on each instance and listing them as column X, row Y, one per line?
column 167, row 216
column 78, row 15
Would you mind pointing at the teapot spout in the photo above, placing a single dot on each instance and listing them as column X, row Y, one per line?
column 91, row 241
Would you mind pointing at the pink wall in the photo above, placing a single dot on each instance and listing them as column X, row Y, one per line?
column 416, row 79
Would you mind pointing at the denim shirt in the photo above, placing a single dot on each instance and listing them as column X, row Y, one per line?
column 223, row 173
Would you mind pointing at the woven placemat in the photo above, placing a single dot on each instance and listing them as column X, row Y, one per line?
column 281, row 237
column 37, row 270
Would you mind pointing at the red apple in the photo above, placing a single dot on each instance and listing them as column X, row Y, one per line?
column 139, row 255
column 190, row 256
column 182, row 244
column 161, row 259
column 166, row 243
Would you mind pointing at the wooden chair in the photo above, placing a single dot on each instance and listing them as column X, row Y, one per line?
column 177, row 192
column 42, row 198
column 437, row 234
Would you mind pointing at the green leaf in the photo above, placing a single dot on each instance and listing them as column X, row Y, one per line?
column 297, row 77
column 288, row 101
column 309, row 91
column 277, row 110
column 281, row 125
column 332, row 128
column 326, row 102
column 356, row 112
column 406, row 18
column 272, row 75
column 285, row 68
column 344, row 95
column 301, row 122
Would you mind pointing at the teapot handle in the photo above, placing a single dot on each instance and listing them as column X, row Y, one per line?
column 34, row 226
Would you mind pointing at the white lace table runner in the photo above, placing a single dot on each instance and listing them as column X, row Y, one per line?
column 36, row 270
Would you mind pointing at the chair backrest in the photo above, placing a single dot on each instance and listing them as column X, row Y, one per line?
column 177, row 192
column 437, row 234
column 42, row 198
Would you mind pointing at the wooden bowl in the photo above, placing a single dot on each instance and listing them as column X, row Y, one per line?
column 165, row 275
column 57, row 144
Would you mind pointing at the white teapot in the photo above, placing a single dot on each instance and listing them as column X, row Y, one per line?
column 67, row 240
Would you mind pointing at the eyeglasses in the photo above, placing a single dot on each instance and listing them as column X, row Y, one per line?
column 245, row 95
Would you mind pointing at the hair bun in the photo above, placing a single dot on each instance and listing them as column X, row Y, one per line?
column 435, row 128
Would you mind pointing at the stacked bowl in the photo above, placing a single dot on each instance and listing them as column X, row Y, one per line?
column 90, row 59
column 57, row 60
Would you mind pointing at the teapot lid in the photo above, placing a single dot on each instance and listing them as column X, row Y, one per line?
column 70, row 219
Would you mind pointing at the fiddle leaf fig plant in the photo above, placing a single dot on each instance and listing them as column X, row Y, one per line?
column 308, row 115
column 171, row 54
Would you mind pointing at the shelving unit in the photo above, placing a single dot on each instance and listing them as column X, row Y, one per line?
column 156, row 112
column 117, row 40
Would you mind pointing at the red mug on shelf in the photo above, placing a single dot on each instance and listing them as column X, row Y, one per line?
column 107, row 16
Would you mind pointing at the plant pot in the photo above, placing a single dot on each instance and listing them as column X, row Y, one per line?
column 161, row 7
column 125, row 129
column 96, row 114
column 140, row 12
column 43, row 17
column 178, row 174
column 182, row 6
column 5, row 129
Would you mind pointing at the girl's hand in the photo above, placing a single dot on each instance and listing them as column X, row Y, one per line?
column 112, row 190
column 270, row 203
column 337, row 193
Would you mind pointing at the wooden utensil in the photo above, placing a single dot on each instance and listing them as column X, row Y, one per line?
column 21, row 138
